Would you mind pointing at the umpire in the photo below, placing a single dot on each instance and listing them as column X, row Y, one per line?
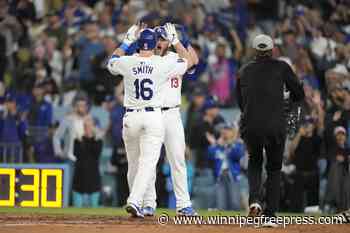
column 263, row 121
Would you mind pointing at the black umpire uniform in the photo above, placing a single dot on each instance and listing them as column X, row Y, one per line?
column 260, row 97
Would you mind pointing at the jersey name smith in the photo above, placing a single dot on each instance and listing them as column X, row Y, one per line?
column 142, row 69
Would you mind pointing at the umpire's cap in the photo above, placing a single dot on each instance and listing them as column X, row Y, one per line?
column 147, row 39
column 263, row 42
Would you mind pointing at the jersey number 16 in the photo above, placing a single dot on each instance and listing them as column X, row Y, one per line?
column 143, row 89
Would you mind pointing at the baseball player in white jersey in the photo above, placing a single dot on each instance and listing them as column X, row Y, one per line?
column 174, row 137
column 144, row 75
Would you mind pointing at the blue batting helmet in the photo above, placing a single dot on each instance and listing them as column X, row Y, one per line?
column 147, row 39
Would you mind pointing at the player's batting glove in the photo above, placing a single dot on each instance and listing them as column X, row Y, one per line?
column 185, row 41
column 131, row 35
column 171, row 33
column 111, row 65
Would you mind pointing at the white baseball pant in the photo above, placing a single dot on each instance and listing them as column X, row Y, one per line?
column 143, row 134
column 174, row 141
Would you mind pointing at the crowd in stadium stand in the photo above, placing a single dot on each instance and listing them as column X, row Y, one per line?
column 59, row 104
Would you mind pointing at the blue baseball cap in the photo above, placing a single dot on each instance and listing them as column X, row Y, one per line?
column 10, row 97
column 211, row 103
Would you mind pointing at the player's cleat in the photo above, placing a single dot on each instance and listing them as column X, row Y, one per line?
column 134, row 210
column 269, row 221
column 255, row 210
column 187, row 211
column 344, row 217
column 148, row 211
column 270, row 224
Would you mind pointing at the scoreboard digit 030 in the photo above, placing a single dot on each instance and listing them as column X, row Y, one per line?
column 34, row 185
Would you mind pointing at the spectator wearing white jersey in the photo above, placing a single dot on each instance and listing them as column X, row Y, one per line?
column 70, row 128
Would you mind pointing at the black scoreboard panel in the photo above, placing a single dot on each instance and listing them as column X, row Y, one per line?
column 31, row 187
column 4, row 188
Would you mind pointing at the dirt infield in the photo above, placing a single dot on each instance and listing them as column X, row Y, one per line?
column 10, row 223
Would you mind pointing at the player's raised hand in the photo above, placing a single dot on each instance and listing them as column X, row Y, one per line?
column 185, row 38
column 130, row 36
column 133, row 33
column 141, row 26
column 171, row 33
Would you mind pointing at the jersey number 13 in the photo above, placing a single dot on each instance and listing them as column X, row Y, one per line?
column 143, row 89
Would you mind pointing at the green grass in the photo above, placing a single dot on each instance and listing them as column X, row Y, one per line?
column 114, row 212
column 68, row 211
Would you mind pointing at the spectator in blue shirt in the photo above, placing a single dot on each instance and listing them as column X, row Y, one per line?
column 117, row 113
column 226, row 152
column 44, row 151
column 13, row 128
column 193, row 76
column 40, row 111
column 39, row 120
column 89, row 46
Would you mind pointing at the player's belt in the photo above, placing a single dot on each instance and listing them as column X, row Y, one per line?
column 146, row 109
column 167, row 108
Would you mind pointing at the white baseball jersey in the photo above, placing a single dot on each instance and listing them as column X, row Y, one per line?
column 173, row 87
column 174, row 141
column 145, row 77
column 144, row 83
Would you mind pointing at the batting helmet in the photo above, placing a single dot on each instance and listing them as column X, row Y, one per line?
column 147, row 39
